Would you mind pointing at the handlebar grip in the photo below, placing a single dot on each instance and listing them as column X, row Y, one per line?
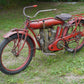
column 35, row 5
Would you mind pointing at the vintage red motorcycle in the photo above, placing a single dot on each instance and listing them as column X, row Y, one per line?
column 53, row 34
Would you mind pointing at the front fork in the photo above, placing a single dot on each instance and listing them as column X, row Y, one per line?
column 18, row 45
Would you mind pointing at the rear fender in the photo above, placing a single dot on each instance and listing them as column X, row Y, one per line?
column 73, row 21
column 10, row 33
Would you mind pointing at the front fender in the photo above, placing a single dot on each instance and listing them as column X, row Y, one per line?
column 10, row 33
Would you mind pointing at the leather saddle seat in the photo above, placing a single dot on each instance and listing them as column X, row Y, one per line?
column 63, row 16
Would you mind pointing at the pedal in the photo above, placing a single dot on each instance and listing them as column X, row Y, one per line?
column 70, row 50
column 47, row 54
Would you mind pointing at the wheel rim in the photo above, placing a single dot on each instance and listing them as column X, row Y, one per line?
column 12, row 63
column 79, row 41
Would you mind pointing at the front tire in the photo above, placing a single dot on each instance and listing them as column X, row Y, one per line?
column 9, row 62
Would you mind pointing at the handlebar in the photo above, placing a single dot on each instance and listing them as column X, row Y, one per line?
column 36, row 12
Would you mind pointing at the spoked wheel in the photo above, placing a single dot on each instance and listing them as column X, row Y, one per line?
column 77, row 42
column 10, row 61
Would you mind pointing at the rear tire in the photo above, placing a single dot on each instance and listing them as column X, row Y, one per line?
column 6, row 64
column 70, row 47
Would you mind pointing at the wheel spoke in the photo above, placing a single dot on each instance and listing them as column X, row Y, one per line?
column 78, row 41
column 9, row 60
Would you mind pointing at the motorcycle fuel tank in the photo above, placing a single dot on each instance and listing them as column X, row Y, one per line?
column 37, row 24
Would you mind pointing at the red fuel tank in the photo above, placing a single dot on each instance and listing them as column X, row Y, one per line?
column 37, row 24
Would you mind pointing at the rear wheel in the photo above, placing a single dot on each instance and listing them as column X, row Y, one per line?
column 10, row 61
column 77, row 42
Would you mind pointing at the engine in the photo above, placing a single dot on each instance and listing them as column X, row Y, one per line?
column 47, row 36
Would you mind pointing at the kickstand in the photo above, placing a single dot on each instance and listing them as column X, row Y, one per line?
column 48, row 54
column 74, row 52
column 64, row 50
column 76, row 48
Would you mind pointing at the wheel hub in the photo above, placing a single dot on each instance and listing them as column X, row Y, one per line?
column 14, row 52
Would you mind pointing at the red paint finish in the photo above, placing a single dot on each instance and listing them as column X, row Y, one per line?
column 9, row 34
column 53, row 46
column 34, row 36
column 21, row 66
column 58, row 28
column 48, row 22
column 37, row 20
column 82, row 33
column 37, row 24
column 65, row 31
column 60, row 32
column 35, row 5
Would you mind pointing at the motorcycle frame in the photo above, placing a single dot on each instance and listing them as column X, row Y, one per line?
column 60, row 34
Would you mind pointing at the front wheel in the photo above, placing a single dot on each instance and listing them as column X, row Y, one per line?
column 10, row 62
